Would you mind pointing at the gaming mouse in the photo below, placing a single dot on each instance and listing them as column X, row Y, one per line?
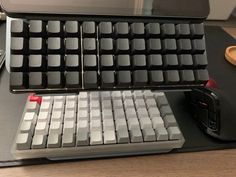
column 213, row 109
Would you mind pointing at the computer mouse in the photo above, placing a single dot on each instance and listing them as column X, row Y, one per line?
column 214, row 111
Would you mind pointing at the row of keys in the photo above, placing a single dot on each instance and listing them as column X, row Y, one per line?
column 54, row 45
column 34, row 63
column 106, row 79
column 38, row 28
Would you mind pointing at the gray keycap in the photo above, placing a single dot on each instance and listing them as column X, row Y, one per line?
column 32, row 107
column 23, row 141
column 133, row 123
column 121, row 124
column 89, row 45
column 68, row 140
column 72, row 28
column 88, row 29
column 27, row 127
column 69, row 127
column 55, row 128
column 54, row 141
column 122, row 136
column 54, row 27
column 174, row 133
column 157, row 122
column 149, row 134
column 161, row 134
column 161, row 100
column 145, row 123
column 82, row 137
column 169, row 121
column 96, row 138
column 108, row 124
column 109, row 137
column 39, row 142
column 165, row 110
column 18, row 27
column 37, row 28
column 136, row 135
column 107, row 114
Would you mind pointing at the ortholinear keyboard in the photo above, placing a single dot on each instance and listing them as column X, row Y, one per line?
column 97, row 124
column 109, row 54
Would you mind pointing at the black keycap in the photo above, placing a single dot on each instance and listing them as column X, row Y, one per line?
column 105, row 29
column 37, row 80
column 183, row 30
column 200, row 61
column 72, row 63
column 18, row 63
column 37, row 46
column 184, row 46
column 55, row 29
column 72, row 46
column 171, row 77
column 140, row 78
column 19, row 28
column 55, row 80
column 72, row 29
column 55, row 63
column 107, row 62
column 73, row 80
column 198, row 46
column 153, row 30
column 37, row 28
column 18, row 81
column 168, row 30
column 139, row 62
column 156, row 77
column 137, row 30
column 89, row 46
column 201, row 76
column 89, row 29
column 169, row 45
column 121, row 29
column 123, row 78
column 170, row 61
column 187, row 76
column 90, row 79
column 106, row 46
column 186, row 61
column 122, row 46
column 154, row 45
column 123, row 62
column 55, row 45
column 155, row 62
column 138, row 46
column 19, row 45
column 107, row 79
column 37, row 63
column 197, row 30
column 90, row 62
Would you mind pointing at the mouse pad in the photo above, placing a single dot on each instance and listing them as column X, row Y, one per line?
column 217, row 40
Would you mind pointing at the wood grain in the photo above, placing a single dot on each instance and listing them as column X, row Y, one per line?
column 202, row 164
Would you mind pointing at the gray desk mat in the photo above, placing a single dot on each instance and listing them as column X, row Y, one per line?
column 11, row 106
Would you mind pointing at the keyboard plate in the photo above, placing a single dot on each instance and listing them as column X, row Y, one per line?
column 92, row 151
column 134, row 49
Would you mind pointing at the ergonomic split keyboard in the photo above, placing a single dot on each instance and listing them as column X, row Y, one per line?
column 69, row 56
column 97, row 124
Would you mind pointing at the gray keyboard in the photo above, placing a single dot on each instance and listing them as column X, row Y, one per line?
column 97, row 124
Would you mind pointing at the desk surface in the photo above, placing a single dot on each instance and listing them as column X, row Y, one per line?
column 207, row 164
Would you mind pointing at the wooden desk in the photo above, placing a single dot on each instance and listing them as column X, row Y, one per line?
column 201, row 164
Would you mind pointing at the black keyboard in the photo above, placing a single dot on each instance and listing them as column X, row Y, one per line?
column 71, row 56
